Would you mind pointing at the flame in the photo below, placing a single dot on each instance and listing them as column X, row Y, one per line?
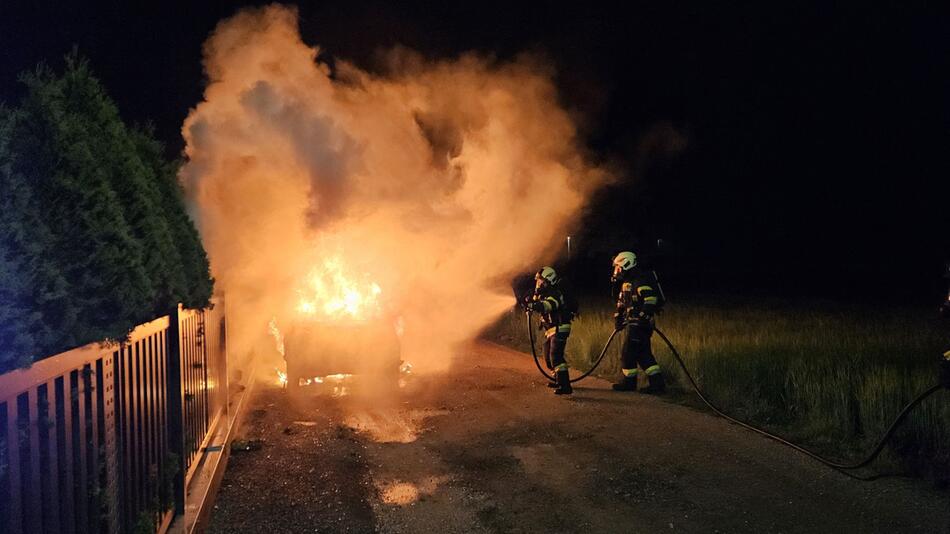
column 464, row 168
column 329, row 292
column 281, row 377
column 338, row 382
column 278, row 337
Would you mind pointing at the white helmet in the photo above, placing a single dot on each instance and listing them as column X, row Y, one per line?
column 548, row 274
column 625, row 261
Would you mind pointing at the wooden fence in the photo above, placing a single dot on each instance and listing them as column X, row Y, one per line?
column 105, row 438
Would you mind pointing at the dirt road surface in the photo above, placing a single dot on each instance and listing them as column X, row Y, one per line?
column 489, row 449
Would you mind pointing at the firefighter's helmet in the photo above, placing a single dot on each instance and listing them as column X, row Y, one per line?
column 625, row 261
column 547, row 275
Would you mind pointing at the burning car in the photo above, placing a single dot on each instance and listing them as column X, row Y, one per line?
column 320, row 349
column 339, row 328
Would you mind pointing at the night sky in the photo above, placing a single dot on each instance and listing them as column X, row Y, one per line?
column 782, row 150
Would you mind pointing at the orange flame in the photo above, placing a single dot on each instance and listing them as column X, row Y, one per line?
column 330, row 293
column 278, row 336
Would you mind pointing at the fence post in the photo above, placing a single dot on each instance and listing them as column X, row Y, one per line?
column 223, row 372
column 107, row 384
column 176, row 393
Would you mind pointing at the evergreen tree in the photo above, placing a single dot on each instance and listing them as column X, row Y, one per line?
column 35, row 311
column 16, row 342
column 95, row 250
column 132, row 181
column 94, row 237
column 197, row 280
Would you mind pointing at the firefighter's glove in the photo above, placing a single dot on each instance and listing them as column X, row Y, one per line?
column 618, row 321
column 536, row 306
column 945, row 370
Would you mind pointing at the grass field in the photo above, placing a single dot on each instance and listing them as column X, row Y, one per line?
column 830, row 376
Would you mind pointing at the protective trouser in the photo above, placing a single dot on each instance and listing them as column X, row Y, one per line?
column 554, row 346
column 637, row 350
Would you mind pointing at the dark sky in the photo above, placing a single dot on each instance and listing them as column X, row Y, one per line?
column 817, row 137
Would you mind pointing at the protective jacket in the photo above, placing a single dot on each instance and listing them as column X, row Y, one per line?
column 554, row 315
column 638, row 295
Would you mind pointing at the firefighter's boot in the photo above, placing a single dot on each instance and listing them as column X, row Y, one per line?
column 553, row 384
column 563, row 383
column 657, row 385
column 627, row 383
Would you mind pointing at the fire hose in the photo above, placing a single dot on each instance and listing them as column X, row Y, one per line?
column 830, row 463
column 549, row 376
column 839, row 466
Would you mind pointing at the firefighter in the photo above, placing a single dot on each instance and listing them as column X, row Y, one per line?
column 638, row 299
column 549, row 301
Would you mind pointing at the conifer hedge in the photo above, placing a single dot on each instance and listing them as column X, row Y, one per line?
column 94, row 237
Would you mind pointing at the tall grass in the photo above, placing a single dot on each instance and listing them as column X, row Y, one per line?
column 831, row 376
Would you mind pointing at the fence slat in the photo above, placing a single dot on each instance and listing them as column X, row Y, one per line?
column 175, row 414
column 145, row 355
column 143, row 423
column 134, row 441
column 51, row 500
column 79, row 449
column 192, row 400
column 35, row 502
column 92, row 448
column 188, row 399
column 155, row 417
column 195, row 388
column 64, row 407
column 124, row 436
column 163, row 392
column 206, row 406
column 151, row 430
column 138, row 464
column 98, row 442
column 13, row 455
column 162, row 420
column 4, row 466
column 106, row 368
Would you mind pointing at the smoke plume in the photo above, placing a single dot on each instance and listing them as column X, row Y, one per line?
column 437, row 179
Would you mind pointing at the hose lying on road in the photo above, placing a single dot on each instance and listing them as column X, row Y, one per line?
column 830, row 463
column 843, row 467
column 549, row 376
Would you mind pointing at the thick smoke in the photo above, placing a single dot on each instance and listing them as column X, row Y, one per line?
column 438, row 180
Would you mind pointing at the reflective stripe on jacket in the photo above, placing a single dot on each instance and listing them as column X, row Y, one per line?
column 553, row 318
column 638, row 294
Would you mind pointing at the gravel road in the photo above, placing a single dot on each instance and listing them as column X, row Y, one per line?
column 488, row 448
